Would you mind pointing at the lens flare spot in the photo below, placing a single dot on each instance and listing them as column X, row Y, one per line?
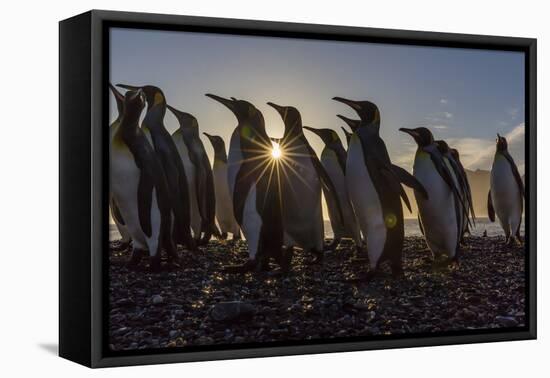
column 276, row 152
column 391, row 220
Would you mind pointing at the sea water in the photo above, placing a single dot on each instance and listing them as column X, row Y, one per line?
column 411, row 228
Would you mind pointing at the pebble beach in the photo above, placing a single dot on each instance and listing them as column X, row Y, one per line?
column 196, row 303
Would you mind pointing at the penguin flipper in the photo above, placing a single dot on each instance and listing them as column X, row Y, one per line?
column 490, row 208
column 515, row 171
column 115, row 211
column 420, row 225
column 328, row 186
column 464, row 187
column 445, row 174
column 394, row 183
column 145, row 199
column 407, row 179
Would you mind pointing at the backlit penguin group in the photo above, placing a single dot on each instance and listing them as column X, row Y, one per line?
column 164, row 191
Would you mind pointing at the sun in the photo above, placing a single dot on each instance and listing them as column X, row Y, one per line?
column 276, row 152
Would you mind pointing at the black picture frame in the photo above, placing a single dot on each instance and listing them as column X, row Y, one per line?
column 83, row 181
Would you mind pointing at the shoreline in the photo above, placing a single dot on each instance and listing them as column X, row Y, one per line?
column 196, row 304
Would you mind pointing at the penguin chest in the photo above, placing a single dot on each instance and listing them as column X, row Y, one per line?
column 437, row 214
column 505, row 193
column 124, row 182
column 329, row 160
column 224, row 203
column 191, row 176
column 363, row 194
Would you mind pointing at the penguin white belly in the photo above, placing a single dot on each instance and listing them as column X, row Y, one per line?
column 437, row 214
column 505, row 195
column 349, row 228
column 125, row 177
column 190, row 174
column 302, row 211
column 365, row 201
column 224, row 202
column 122, row 228
column 252, row 223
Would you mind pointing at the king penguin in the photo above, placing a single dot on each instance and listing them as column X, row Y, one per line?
column 333, row 159
column 253, row 178
column 303, row 179
column 138, row 185
column 167, row 153
column 441, row 215
column 115, row 212
column 224, row 202
column 461, row 182
column 507, row 192
column 202, row 199
column 374, row 186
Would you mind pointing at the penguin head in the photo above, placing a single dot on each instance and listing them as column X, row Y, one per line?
column 188, row 123
column 502, row 143
column 118, row 97
column 422, row 136
column 328, row 136
column 245, row 112
column 442, row 146
column 134, row 102
column 366, row 110
column 455, row 154
column 291, row 118
column 347, row 134
column 217, row 142
column 352, row 123
column 153, row 95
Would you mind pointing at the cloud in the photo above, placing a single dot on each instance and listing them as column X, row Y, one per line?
column 476, row 153
column 439, row 127
column 439, row 118
column 444, row 101
column 513, row 112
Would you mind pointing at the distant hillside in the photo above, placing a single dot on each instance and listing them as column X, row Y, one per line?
column 479, row 182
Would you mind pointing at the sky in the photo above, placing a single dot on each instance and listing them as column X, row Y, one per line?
column 464, row 96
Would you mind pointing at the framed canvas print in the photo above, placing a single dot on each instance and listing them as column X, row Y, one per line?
column 234, row 188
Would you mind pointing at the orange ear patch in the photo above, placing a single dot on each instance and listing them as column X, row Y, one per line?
column 159, row 98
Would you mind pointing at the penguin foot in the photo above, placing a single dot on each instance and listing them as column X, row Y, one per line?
column 154, row 265
column 121, row 246
column 371, row 274
column 397, row 272
column 137, row 255
column 286, row 259
column 174, row 260
column 318, row 256
column 332, row 245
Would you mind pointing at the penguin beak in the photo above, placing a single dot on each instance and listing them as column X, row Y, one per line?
column 353, row 104
column 280, row 109
column 411, row 132
column 116, row 93
column 173, row 110
column 224, row 101
column 208, row 136
column 129, row 87
column 312, row 129
column 353, row 124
